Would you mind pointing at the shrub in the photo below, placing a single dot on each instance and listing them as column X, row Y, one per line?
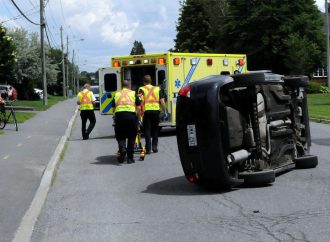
column 324, row 89
column 313, row 87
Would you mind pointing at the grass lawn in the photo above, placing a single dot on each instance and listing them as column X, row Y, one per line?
column 21, row 117
column 319, row 106
column 38, row 104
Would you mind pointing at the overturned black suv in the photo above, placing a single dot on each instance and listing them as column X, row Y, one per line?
column 244, row 128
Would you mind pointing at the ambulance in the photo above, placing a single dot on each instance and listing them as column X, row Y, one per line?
column 170, row 71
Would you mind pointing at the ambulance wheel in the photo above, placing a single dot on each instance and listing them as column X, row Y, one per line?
column 296, row 81
column 257, row 177
column 306, row 162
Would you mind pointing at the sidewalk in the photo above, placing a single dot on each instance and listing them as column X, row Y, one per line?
column 23, row 158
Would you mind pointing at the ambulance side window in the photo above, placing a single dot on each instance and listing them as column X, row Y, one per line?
column 110, row 82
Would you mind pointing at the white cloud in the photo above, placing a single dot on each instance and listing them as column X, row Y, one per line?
column 103, row 20
column 117, row 29
column 320, row 4
column 108, row 27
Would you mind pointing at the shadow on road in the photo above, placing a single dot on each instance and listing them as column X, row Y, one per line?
column 165, row 132
column 104, row 137
column 106, row 160
column 180, row 186
column 92, row 138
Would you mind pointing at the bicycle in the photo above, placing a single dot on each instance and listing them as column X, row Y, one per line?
column 5, row 118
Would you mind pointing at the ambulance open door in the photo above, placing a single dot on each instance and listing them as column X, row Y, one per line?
column 109, row 82
column 162, row 82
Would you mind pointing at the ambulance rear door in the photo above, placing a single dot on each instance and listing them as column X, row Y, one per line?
column 162, row 82
column 109, row 82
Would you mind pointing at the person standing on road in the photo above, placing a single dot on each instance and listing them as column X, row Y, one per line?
column 85, row 100
column 126, row 114
column 153, row 99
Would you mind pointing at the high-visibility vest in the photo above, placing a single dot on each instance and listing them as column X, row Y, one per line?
column 150, row 97
column 85, row 98
column 125, row 101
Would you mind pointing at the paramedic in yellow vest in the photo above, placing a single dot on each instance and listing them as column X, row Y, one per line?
column 126, row 113
column 153, row 100
column 85, row 100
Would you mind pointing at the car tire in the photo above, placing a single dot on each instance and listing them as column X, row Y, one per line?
column 296, row 81
column 258, row 177
column 306, row 162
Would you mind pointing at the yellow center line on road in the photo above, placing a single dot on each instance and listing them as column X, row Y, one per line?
column 6, row 157
column 19, row 145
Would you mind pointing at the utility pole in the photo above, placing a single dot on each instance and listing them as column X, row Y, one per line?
column 63, row 65
column 67, row 64
column 43, row 61
column 327, row 26
column 73, row 74
column 77, row 80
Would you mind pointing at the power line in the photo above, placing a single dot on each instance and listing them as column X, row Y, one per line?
column 20, row 16
column 48, row 38
column 34, row 6
column 23, row 13
column 52, row 16
column 51, row 36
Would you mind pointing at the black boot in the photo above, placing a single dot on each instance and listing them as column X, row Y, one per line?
column 130, row 160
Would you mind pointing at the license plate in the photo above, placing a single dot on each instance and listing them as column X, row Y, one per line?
column 191, row 131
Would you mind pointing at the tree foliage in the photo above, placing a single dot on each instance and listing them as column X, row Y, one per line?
column 28, row 67
column 193, row 28
column 281, row 35
column 138, row 48
column 7, row 56
column 285, row 36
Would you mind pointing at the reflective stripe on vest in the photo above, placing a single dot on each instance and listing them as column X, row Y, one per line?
column 125, row 101
column 151, row 98
column 85, row 99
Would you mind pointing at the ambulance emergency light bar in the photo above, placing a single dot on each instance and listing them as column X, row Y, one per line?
column 160, row 61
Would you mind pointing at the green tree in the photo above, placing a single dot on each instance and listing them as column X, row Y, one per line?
column 285, row 36
column 137, row 48
column 28, row 66
column 194, row 31
column 7, row 56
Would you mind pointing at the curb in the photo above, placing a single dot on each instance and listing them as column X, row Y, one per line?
column 25, row 229
column 320, row 120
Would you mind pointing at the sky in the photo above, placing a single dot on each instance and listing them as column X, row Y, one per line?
column 98, row 30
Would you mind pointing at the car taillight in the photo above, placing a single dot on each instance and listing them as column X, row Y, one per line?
column 185, row 91
column 193, row 178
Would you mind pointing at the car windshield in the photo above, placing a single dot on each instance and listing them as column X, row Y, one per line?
column 95, row 90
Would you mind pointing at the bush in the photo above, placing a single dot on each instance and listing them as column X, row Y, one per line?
column 324, row 89
column 313, row 87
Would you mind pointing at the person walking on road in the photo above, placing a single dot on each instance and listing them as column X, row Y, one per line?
column 126, row 115
column 85, row 100
column 153, row 99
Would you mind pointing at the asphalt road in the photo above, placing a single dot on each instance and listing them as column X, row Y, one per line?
column 96, row 199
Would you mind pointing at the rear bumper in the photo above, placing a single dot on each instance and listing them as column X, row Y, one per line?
column 204, row 112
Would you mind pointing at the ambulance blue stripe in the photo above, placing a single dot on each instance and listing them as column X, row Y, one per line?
column 104, row 97
column 107, row 108
column 191, row 72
